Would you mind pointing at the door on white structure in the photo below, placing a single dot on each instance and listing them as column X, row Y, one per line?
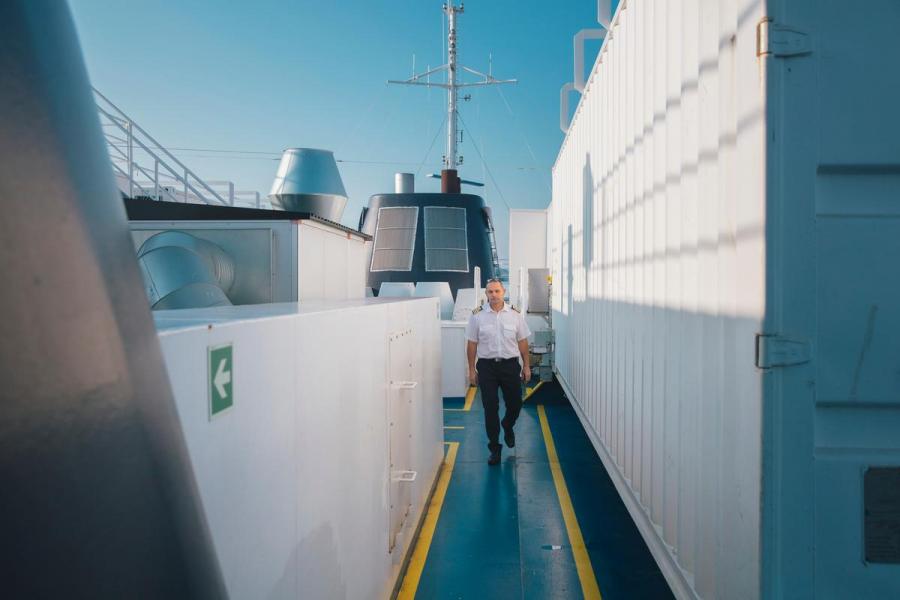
column 833, row 417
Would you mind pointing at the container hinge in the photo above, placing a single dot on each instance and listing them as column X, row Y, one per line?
column 781, row 41
column 779, row 351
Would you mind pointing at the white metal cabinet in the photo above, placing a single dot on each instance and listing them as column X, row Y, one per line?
column 295, row 477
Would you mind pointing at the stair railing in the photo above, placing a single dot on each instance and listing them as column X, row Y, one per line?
column 169, row 178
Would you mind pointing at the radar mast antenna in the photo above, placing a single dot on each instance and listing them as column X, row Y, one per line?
column 449, row 180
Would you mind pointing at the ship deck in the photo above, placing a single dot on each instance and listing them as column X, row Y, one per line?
column 545, row 523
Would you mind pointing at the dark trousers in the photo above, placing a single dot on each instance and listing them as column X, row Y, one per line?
column 491, row 376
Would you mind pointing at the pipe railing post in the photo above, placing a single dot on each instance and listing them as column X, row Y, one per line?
column 604, row 18
column 580, row 37
column 564, row 106
column 604, row 13
column 130, row 151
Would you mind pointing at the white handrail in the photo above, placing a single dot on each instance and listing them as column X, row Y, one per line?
column 134, row 138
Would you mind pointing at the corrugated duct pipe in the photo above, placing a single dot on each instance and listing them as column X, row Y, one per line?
column 184, row 271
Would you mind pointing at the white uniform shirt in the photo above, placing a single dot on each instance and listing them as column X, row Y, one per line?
column 497, row 333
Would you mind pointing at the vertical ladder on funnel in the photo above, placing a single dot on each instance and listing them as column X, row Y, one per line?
column 495, row 258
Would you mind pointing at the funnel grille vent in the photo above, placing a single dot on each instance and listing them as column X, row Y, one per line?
column 446, row 245
column 395, row 238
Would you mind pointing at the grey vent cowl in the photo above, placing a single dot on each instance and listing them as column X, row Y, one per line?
column 308, row 181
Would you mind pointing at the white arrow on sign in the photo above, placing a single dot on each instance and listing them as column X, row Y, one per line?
column 222, row 378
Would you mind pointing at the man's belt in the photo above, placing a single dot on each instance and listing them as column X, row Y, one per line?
column 499, row 360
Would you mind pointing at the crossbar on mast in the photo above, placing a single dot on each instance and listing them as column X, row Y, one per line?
column 450, row 180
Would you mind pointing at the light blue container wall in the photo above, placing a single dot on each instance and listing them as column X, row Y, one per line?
column 834, row 235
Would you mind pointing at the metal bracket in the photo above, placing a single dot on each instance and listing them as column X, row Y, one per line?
column 778, row 351
column 781, row 41
column 404, row 385
column 407, row 476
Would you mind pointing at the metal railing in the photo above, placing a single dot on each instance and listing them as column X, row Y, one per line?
column 144, row 168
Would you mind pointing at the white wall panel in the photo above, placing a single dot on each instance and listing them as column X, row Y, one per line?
column 657, row 258
column 455, row 365
column 295, row 478
column 527, row 245
column 331, row 263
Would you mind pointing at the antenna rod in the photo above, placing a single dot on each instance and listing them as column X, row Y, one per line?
column 450, row 182
column 450, row 160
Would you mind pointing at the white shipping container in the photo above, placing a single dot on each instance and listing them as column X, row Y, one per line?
column 725, row 227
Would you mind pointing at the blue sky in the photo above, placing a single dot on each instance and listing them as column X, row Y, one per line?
column 264, row 76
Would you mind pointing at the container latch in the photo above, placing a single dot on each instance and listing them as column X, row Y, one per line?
column 780, row 351
column 781, row 40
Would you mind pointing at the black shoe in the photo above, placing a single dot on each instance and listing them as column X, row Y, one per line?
column 494, row 458
column 510, row 439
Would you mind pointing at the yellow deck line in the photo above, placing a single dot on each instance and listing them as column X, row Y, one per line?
column 529, row 391
column 423, row 544
column 470, row 395
column 453, row 427
column 582, row 561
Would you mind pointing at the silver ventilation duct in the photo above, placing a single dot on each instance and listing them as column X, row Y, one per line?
column 308, row 181
column 183, row 271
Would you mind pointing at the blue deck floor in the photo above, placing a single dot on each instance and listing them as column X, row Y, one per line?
column 501, row 532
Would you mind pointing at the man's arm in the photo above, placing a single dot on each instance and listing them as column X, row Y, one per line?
column 526, row 363
column 471, row 349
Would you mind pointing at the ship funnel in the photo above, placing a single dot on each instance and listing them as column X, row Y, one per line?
column 308, row 181
column 404, row 183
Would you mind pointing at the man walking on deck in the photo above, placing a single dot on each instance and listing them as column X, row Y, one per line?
column 497, row 337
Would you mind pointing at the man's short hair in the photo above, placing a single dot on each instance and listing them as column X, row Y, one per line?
column 494, row 280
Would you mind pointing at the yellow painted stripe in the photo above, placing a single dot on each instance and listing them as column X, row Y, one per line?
column 470, row 396
column 423, row 544
column 453, row 427
column 582, row 561
column 529, row 391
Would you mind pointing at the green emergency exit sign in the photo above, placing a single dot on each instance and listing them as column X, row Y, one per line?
column 221, row 379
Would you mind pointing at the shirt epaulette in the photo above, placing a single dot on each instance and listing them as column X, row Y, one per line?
column 514, row 308
column 477, row 310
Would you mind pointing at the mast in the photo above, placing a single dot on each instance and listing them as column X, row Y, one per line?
column 450, row 182
column 450, row 160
